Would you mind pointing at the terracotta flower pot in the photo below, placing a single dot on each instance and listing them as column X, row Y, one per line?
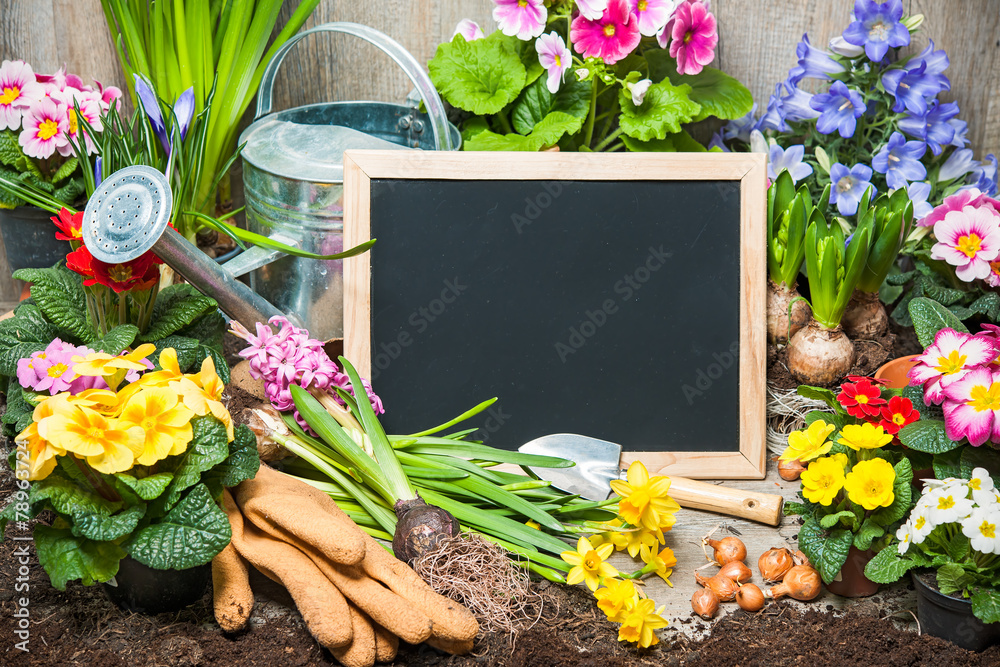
column 894, row 372
column 852, row 582
column 951, row 618
column 142, row 589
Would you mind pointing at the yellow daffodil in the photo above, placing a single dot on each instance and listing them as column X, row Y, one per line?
column 628, row 540
column 201, row 403
column 641, row 619
column 109, row 445
column 823, row 479
column 661, row 563
column 810, row 443
column 864, row 436
column 164, row 420
column 588, row 563
column 644, row 500
column 869, row 483
column 613, row 598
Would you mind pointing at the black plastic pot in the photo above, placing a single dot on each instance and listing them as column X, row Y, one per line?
column 30, row 238
column 140, row 588
column 951, row 618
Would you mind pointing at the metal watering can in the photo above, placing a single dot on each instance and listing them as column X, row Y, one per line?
column 293, row 174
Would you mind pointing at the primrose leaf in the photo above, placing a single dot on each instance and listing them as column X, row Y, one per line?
column 68, row 497
column 10, row 148
column 827, row 550
column 986, row 605
column 482, row 76
column 952, row 578
column 207, row 448
column 988, row 305
column 66, row 557
column 546, row 133
column 929, row 317
column 66, row 169
column 719, row 94
column 103, row 527
column 536, row 102
column 869, row 531
column 176, row 307
column 242, row 463
column 188, row 351
column 888, row 566
column 831, row 520
column 190, row 534
column 59, row 295
column 948, row 464
column 928, row 436
column 147, row 488
column 662, row 111
column 117, row 339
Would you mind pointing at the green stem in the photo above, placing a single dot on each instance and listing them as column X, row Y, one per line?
column 504, row 123
column 609, row 140
column 97, row 483
column 589, row 132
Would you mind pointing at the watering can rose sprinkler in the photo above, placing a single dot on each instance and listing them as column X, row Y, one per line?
column 129, row 213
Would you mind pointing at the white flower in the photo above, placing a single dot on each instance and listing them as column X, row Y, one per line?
column 842, row 47
column 982, row 487
column 638, row 90
column 582, row 74
column 468, row 29
column 949, row 505
column 904, row 536
column 981, row 529
column 920, row 527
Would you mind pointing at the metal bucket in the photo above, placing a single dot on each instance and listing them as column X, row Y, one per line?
column 293, row 177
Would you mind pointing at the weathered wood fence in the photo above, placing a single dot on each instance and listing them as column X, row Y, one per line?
column 756, row 45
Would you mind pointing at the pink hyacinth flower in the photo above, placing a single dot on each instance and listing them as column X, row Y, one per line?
column 554, row 56
column 653, row 15
column 591, row 9
column 469, row 30
column 18, row 91
column 950, row 357
column 45, row 126
column 523, row 19
column 972, row 407
column 611, row 37
column 968, row 239
column 693, row 37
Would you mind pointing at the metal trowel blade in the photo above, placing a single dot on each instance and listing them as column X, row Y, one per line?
column 596, row 463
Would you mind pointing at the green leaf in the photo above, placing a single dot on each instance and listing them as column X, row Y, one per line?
column 536, row 102
column 948, row 464
column 10, row 148
column 831, row 520
column 209, row 330
column 888, row 566
column 929, row 317
column 818, row 394
column 11, row 355
column 945, row 296
column 869, row 531
column 482, row 76
column 927, row 436
column 662, row 111
column 188, row 351
column 69, row 193
column 793, row 509
column 27, row 325
column 68, row 497
column 988, row 304
column 207, row 448
column 66, row 557
column 190, row 534
column 104, row 527
column 59, row 295
column 117, row 339
column 959, row 547
column 176, row 307
column 986, row 605
column 826, row 550
column 719, row 94
column 243, row 461
column 65, row 170
column 149, row 487
column 952, row 578
column 546, row 133
column 665, row 145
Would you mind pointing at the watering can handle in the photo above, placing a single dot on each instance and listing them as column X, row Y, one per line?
column 399, row 55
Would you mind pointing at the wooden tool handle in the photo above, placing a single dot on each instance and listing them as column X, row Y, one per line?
column 762, row 507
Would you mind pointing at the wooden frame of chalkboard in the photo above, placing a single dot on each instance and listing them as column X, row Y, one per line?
column 400, row 175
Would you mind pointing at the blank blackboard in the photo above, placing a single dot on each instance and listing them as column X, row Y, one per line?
column 609, row 307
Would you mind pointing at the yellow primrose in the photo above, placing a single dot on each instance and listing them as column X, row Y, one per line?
column 109, row 445
column 99, row 364
column 869, row 484
column 588, row 563
column 644, row 500
column 41, row 453
column 640, row 622
column 170, row 370
column 104, row 401
column 809, row 443
column 661, row 563
column 201, row 403
column 823, row 479
column 614, row 597
column 864, row 436
column 164, row 420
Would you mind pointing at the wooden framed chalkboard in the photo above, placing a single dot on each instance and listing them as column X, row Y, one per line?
column 620, row 296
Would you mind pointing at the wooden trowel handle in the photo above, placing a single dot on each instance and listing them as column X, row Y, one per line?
column 762, row 507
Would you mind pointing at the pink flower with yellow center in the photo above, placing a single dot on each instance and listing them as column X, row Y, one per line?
column 693, row 37
column 611, row 37
column 89, row 103
column 18, row 91
column 972, row 407
column 523, row 19
column 968, row 239
column 949, row 358
column 555, row 57
column 45, row 127
column 652, row 14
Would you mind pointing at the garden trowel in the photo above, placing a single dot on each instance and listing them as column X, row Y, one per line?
column 597, row 464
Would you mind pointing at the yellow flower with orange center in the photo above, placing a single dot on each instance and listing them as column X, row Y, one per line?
column 109, row 445
column 641, row 619
column 661, row 563
column 588, row 563
column 164, row 420
column 644, row 500
column 613, row 598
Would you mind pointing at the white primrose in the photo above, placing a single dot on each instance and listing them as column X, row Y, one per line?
column 920, row 526
column 981, row 529
column 904, row 535
column 949, row 505
column 983, row 490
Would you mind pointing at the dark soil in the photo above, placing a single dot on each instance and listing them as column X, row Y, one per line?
column 871, row 354
column 906, row 341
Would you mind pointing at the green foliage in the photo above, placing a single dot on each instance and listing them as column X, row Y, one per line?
column 927, row 436
column 117, row 339
column 929, row 317
column 826, row 550
column 536, row 102
column 207, row 449
column 66, row 557
column 59, row 294
column 481, row 76
column 719, row 94
column 833, row 270
column 176, row 307
column 986, row 605
column 888, row 566
column 663, row 110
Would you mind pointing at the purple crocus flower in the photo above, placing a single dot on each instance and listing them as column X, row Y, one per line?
column 849, row 186
column 876, row 27
column 774, row 116
column 932, row 127
column 911, row 88
column 918, row 191
column 790, row 160
column 899, row 160
column 151, row 106
column 839, row 109
column 795, row 105
column 814, row 63
column 740, row 128
column 184, row 110
column 957, row 165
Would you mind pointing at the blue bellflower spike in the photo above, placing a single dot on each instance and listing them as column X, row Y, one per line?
column 877, row 27
column 151, row 106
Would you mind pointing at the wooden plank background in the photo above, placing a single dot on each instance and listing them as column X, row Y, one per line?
column 756, row 45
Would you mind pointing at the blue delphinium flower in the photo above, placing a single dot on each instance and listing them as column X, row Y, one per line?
column 795, row 104
column 918, row 191
column 911, row 88
column 899, row 160
column 932, row 127
column 790, row 160
column 848, row 186
column 774, row 117
column 740, row 128
column 814, row 63
column 877, row 27
column 839, row 109
column 957, row 165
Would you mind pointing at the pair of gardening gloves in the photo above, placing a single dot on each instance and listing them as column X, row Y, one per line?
column 355, row 597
